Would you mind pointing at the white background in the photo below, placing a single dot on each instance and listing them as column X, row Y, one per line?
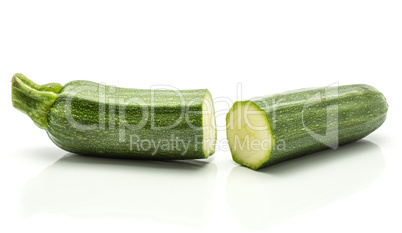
column 268, row 47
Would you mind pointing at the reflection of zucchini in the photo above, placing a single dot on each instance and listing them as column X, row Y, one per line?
column 291, row 189
column 268, row 130
column 97, row 188
column 93, row 119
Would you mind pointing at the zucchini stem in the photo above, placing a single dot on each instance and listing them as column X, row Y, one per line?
column 33, row 99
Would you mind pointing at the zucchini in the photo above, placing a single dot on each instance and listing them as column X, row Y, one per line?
column 267, row 130
column 88, row 118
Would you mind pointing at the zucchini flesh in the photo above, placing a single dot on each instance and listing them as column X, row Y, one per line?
column 92, row 119
column 251, row 135
column 267, row 130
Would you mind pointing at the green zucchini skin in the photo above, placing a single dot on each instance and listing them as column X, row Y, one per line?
column 360, row 109
column 88, row 118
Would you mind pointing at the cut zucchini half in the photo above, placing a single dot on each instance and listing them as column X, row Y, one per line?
column 272, row 129
column 209, row 125
column 249, row 134
column 93, row 119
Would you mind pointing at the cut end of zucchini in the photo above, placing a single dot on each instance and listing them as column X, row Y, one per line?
column 249, row 134
column 209, row 125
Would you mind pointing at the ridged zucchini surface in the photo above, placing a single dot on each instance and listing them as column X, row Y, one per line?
column 267, row 130
column 88, row 118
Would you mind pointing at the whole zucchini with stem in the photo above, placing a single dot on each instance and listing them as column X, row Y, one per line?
column 267, row 130
column 88, row 118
